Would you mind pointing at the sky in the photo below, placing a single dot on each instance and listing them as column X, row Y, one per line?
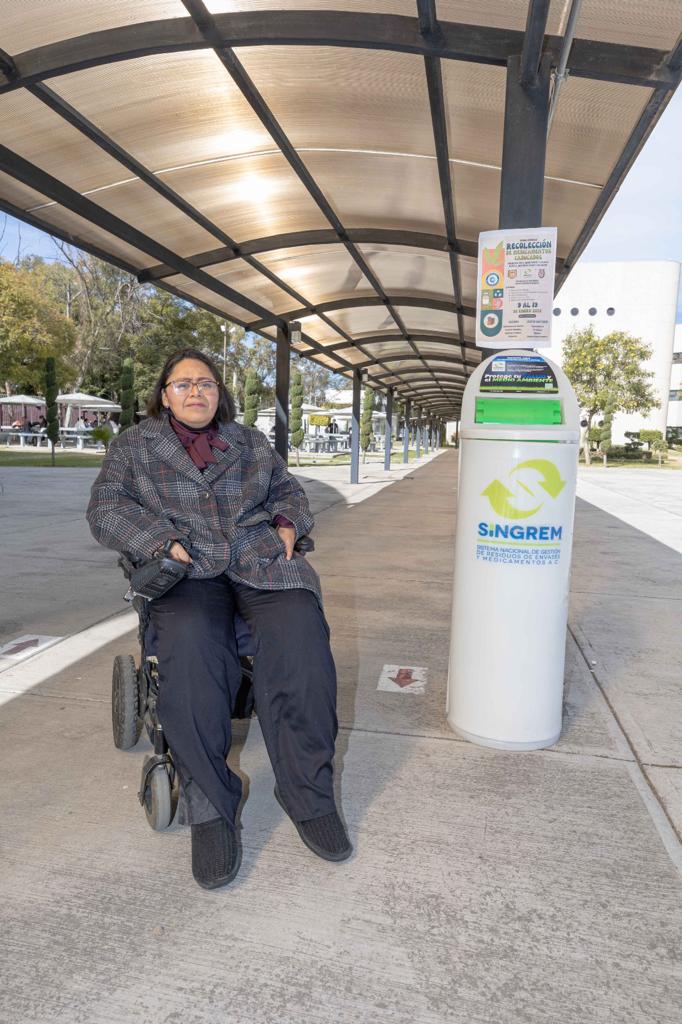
column 643, row 222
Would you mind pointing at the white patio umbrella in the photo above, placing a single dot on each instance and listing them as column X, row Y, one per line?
column 23, row 401
column 78, row 400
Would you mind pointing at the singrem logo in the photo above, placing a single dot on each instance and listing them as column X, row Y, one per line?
column 507, row 531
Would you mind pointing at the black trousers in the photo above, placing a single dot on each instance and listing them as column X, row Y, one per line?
column 294, row 683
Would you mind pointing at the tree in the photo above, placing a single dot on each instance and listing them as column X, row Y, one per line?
column 649, row 437
column 297, row 433
column 660, row 447
column 366, row 432
column 31, row 329
column 608, row 367
column 605, row 439
column 251, row 398
column 127, row 395
column 51, row 392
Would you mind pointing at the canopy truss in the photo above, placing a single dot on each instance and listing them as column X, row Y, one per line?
column 330, row 162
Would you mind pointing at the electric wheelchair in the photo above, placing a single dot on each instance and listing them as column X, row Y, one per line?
column 135, row 688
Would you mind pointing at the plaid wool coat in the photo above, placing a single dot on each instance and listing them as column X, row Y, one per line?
column 149, row 491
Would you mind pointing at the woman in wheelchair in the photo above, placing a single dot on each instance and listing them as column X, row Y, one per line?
column 191, row 482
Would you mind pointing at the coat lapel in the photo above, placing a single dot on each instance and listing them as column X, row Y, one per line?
column 169, row 448
column 230, row 432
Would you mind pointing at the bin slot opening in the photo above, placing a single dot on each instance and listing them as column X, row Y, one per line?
column 545, row 411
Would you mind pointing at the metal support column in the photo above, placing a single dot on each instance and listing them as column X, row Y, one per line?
column 282, row 392
column 525, row 143
column 406, row 433
column 355, row 429
column 418, row 432
column 388, row 429
column 426, row 438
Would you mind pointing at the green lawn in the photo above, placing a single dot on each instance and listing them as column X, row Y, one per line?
column 42, row 457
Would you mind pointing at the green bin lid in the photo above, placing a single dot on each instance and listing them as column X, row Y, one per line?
column 545, row 411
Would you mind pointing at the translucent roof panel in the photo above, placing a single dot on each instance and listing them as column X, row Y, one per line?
column 249, row 197
column 344, row 99
column 407, row 270
column 386, row 349
column 375, row 190
column 590, row 123
column 61, row 221
column 419, row 319
column 186, row 96
column 319, row 272
column 32, row 130
column 243, row 278
column 351, row 355
column 474, row 104
column 53, row 20
column 360, row 320
column 211, row 298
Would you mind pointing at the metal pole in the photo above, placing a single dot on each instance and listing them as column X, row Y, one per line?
column 406, row 433
column 524, row 147
column 426, row 438
column 223, row 328
column 355, row 429
column 388, row 429
column 282, row 393
column 418, row 433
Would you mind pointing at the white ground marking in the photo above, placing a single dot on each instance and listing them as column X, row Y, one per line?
column 402, row 679
column 26, row 646
column 19, row 679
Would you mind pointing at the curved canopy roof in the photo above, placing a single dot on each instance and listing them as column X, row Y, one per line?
column 327, row 161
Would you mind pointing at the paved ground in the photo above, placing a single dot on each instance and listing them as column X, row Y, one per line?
column 62, row 581
column 487, row 887
column 648, row 499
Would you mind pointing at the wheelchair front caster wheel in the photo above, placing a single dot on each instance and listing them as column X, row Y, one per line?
column 160, row 797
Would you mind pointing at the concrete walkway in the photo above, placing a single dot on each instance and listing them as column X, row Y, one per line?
column 487, row 887
column 648, row 499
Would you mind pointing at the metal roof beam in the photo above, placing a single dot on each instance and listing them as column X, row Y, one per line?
column 362, row 301
column 320, row 236
column 536, row 26
column 611, row 62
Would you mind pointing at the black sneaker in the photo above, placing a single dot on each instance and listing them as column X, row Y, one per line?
column 216, row 853
column 325, row 836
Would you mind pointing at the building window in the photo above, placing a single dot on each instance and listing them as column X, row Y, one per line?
column 592, row 311
column 610, row 311
column 676, row 396
column 557, row 311
column 575, row 311
column 677, row 357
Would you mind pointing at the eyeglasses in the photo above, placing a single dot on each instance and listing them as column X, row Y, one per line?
column 184, row 386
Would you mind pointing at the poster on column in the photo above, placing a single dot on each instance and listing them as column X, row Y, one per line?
column 515, row 288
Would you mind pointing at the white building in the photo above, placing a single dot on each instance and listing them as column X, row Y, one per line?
column 675, row 397
column 637, row 297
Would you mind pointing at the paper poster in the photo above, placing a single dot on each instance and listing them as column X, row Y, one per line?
column 515, row 288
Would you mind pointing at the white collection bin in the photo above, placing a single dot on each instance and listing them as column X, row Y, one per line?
column 518, row 464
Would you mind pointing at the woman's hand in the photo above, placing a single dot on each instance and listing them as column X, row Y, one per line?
column 287, row 534
column 179, row 554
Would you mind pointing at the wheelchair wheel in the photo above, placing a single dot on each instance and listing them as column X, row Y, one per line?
column 160, row 798
column 125, row 702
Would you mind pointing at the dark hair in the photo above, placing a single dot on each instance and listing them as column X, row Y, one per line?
column 225, row 412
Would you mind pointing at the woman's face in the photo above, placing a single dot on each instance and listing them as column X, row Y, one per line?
column 191, row 406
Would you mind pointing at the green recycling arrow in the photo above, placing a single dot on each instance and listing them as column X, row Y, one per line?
column 551, row 482
column 499, row 497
